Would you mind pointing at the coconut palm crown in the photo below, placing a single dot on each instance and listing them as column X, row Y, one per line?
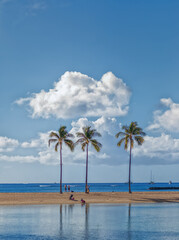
column 131, row 134
column 62, row 136
column 85, row 138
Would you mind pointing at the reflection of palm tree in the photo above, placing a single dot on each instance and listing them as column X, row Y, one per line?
column 129, row 222
column 129, row 211
column 131, row 133
column 59, row 138
column 86, row 220
column 85, row 138
column 61, row 221
column 86, row 211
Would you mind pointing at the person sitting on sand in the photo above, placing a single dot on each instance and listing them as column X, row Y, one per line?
column 71, row 197
column 83, row 201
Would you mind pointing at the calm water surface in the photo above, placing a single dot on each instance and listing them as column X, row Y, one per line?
column 80, row 187
column 128, row 222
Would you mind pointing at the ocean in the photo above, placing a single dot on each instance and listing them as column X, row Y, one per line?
column 90, row 222
column 80, row 187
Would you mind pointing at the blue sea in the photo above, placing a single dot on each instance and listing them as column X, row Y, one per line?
column 80, row 187
column 90, row 222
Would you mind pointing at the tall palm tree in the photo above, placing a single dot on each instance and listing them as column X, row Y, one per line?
column 59, row 138
column 86, row 138
column 131, row 133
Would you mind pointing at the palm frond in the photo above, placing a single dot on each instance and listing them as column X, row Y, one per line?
column 97, row 145
column 139, row 139
column 52, row 140
column 138, row 131
column 86, row 137
column 53, row 134
column 56, row 146
column 87, row 132
column 62, row 131
column 94, row 133
column 80, row 134
column 120, row 134
column 70, row 135
column 126, row 142
column 142, row 133
column 97, row 134
column 80, row 140
column 69, row 143
column 132, row 143
column 121, row 141
column 83, row 145
column 126, row 128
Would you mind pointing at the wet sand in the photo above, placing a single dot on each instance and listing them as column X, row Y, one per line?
column 105, row 197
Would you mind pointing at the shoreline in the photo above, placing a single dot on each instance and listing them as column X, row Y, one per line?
column 37, row 198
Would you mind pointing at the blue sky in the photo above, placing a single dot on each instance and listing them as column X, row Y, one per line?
column 125, row 53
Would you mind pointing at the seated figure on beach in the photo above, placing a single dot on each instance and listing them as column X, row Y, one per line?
column 71, row 197
column 83, row 201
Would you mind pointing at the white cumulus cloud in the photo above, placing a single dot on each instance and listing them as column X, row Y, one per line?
column 41, row 152
column 104, row 125
column 40, row 142
column 168, row 118
column 76, row 94
column 165, row 148
column 8, row 144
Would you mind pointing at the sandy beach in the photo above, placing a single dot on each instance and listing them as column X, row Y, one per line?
column 104, row 197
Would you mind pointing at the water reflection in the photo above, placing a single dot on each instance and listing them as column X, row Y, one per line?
column 71, row 220
column 129, row 222
column 91, row 222
column 61, row 219
column 86, row 220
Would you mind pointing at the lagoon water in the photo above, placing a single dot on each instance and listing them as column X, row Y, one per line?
column 80, row 187
column 95, row 221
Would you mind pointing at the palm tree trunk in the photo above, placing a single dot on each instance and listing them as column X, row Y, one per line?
column 60, row 168
column 86, row 186
column 130, row 169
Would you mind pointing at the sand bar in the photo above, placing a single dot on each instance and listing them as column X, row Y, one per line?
column 105, row 197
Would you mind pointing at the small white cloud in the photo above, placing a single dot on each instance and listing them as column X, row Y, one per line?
column 16, row 158
column 21, row 101
column 167, row 119
column 34, row 6
column 8, row 144
column 38, row 5
column 40, row 142
column 76, row 94
column 166, row 101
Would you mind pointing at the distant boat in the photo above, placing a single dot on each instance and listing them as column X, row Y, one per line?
column 151, row 179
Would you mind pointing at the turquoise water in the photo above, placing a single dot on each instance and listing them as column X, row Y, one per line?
column 80, row 187
column 125, row 222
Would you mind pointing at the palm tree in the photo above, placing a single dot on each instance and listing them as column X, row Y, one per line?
column 59, row 138
column 131, row 133
column 85, row 138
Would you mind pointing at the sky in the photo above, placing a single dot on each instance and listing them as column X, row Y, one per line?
column 101, row 63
